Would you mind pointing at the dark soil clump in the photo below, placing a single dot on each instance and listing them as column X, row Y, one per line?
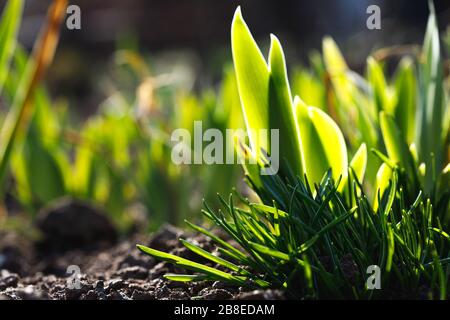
column 70, row 224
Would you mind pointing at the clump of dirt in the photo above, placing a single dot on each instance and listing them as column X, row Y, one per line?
column 69, row 224
column 115, row 272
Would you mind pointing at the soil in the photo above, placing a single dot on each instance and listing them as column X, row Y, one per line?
column 110, row 269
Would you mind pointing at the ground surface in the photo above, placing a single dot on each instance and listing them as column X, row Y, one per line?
column 109, row 269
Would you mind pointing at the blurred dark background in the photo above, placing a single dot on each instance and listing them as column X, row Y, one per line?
column 201, row 30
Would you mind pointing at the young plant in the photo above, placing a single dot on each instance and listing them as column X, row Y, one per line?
column 315, row 232
column 122, row 154
column 28, row 73
column 407, row 118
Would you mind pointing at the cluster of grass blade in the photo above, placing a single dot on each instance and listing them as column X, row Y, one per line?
column 316, row 230
column 314, row 245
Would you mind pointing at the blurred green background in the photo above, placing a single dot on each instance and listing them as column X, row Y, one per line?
column 139, row 69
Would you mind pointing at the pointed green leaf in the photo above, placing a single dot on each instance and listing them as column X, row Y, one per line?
column 272, row 210
column 313, row 153
column 384, row 175
column 241, row 256
column 333, row 143
column 252, row 76
column 334, row 60
column 396, row 146
column 265, row 95
column 185, row 277
column 213, row 258
column 281, row 115
column 359, row 162
column 192, row 265
column 405, row 108
column 382, row 96
column 431, row 136
column 270, row 252
column 356, row 114
column 323, row 145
